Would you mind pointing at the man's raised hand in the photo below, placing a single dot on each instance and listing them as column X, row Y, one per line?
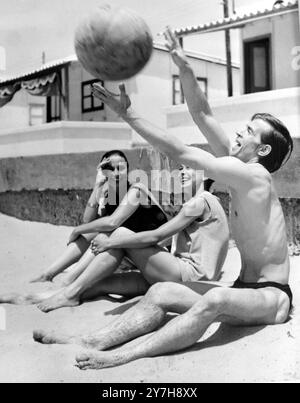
column 119, row 103
column 175, row 49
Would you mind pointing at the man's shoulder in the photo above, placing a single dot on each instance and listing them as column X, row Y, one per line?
column 260, row 173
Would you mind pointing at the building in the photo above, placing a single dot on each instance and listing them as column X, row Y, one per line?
column 61, row 91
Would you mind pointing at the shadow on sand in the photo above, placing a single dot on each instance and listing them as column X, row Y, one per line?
column 225, row 334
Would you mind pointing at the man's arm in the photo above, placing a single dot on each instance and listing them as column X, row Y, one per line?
column 196, row 100
column 227, row 170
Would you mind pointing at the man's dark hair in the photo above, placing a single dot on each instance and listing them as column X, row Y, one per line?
column 115, row 152
column 279, row 139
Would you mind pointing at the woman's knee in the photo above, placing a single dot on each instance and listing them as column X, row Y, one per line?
column 121, row 231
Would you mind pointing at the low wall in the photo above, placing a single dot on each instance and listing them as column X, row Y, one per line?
column 55, row 188
column 65, row 207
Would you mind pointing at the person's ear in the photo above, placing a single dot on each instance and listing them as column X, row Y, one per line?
column 264, row 150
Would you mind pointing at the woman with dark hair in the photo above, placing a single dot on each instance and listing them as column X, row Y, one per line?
column 114, row 202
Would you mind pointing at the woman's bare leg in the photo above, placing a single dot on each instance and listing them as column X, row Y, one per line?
column 155, row 264
column 104, row 265
column 70, row 256
column 79, row 268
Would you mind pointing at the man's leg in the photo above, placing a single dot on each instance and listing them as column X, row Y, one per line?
column 141, row 319
column 70, row 256
column 130, row 284
column 239, row 307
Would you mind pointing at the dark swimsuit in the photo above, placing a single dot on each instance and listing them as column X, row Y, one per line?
column 256, row 286
column 145, row 218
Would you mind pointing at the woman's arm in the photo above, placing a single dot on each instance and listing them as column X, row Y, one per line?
column 149, row 238
column 127, row 207
column 91, row 209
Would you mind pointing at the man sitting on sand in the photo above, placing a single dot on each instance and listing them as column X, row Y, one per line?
column 261, row 296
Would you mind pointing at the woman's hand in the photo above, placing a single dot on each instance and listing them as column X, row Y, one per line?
column 100, row 244
column 119, row 103
column 100, row 178
column 74, row 235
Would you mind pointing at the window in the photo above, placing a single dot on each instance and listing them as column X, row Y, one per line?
column 36, row 114
column 178, row 96
column 54, row 108
column 88, row 102
column 257, row 66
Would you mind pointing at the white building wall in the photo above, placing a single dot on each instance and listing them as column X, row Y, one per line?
column 2, row 60
column 285, row 31
column 150, row 91
column 235, row 112
column 284, row 34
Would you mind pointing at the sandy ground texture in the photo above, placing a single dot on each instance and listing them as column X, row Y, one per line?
column 226, row 354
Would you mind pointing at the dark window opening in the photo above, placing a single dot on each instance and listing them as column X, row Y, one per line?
column 54, row 106
column 88, row 102
column 257, row 66
column 178, row 95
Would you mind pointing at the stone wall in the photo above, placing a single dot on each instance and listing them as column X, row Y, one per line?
column 55, row 189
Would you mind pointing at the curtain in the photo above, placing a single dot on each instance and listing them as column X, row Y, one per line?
column 7, row 93
column 43, row 86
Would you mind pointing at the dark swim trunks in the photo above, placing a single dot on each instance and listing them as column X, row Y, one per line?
column 256, row 286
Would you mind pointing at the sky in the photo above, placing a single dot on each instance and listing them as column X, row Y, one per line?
column 30, row 27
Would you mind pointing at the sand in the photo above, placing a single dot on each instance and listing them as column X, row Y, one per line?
column 227, row 354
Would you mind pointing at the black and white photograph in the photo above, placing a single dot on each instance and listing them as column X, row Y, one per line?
column 149, row 194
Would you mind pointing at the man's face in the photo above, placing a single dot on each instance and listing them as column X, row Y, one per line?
column 248, row 142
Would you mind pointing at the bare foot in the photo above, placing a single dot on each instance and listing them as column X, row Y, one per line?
column 98, row 360
column 59, row 300
column 44, row 278
column 43, row 337
column 27, row 299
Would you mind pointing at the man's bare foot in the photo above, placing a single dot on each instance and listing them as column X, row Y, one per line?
column 43, row 278
column 57, row 301
column 98, row 360
column 43, row 337
column 26, row 299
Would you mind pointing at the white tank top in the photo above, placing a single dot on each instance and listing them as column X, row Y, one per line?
column 204, row 244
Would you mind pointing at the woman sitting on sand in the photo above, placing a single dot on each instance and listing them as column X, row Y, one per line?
column 200, row 242
column 113, row 203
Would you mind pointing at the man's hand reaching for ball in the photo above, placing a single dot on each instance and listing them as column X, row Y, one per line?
column 119, row 103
